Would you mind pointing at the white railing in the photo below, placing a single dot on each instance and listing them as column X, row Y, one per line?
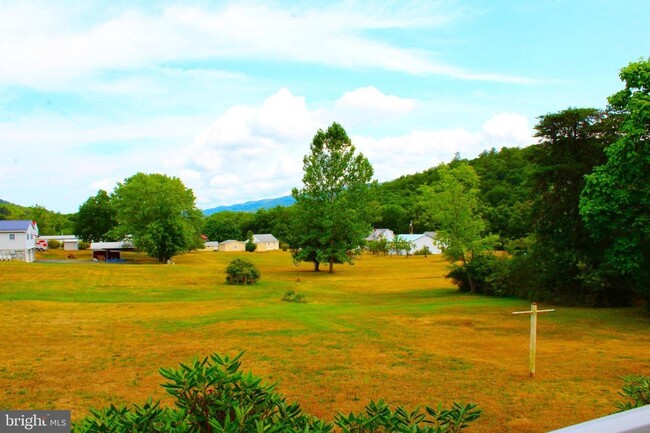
column 631, row 421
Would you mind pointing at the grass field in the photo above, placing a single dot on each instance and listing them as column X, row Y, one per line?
column 80, row 334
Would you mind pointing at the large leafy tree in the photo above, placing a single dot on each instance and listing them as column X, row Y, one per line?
column 159, row 214
column 452, row 206
column 615, row 203
column 226, row 225
column 330, row 219
column 570, row 268
column 95, row 219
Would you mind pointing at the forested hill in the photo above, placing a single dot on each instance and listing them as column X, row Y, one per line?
column 505, row 193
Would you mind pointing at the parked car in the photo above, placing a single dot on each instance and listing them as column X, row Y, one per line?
column 41, row 245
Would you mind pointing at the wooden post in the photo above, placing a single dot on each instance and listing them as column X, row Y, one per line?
column 533, row 333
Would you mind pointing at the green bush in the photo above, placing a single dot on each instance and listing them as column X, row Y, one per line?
column 284, row 246
column 487, row 272
column 83, row 245
column 214, row 395
column 292, row 296
column 637, row 392
column 53, row 244
column 424, row 251
column 250, row 246
column 242, row 271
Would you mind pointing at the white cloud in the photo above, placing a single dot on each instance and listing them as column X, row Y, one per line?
column 508, row 129
column 49, row 47
column 370, row 105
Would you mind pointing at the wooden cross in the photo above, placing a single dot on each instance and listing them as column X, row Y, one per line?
column 533, row 332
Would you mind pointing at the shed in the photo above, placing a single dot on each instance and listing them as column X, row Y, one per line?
column 71, row 244
column 232, row 245
column 266, row 242
column 109, row 251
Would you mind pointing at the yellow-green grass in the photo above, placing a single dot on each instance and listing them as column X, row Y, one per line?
column 80, row 334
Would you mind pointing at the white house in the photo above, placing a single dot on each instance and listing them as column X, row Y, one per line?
column 266, row 242
column 18, row 240
column 418, row 242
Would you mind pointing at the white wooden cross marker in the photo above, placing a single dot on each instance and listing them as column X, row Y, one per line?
column 533, row 332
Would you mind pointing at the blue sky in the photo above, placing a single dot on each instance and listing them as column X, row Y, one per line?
column 227, row 95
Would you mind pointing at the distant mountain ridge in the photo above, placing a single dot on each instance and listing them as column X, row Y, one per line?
column 252, row 206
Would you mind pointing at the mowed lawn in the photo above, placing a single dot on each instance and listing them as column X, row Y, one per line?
column 78, row 334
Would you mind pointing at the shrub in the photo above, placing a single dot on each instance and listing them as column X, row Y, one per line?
column 636, row 390
column 53, row 244
column 213, row 394
column 424, row 251
column 83, row 245
column 250, row 246
column 284, row 246
column 292, row 296
column 487, row 272
column 242, row 271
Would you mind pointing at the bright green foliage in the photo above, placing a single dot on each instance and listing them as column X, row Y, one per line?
column 250, row 245
column 4, row 212
column 615, row 204
column 379, row 246
column 214, row 395
column 292, row 296
column 452, row 206
column 49, row 223
column 399, row 246
column 95, row 219
column 379, row 417
column 506, row 191
column 242, row 272
column 331, row 219
column 158, row 213
column 636, row 391
column 223, row 226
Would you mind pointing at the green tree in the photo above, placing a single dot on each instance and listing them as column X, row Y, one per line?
column 506, row 190
column 49, row 223
column 452, row 205
column 159, row 214
column 330, row 216
column 95, row 219
column 615, row 203
column 569, row 262
column 226, row 225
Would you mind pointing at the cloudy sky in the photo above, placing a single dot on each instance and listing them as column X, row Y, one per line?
column 227, row 95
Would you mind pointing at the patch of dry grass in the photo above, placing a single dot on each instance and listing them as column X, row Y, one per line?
column 80, row 334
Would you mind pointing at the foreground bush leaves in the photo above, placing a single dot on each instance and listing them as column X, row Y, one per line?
column 214, row 395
